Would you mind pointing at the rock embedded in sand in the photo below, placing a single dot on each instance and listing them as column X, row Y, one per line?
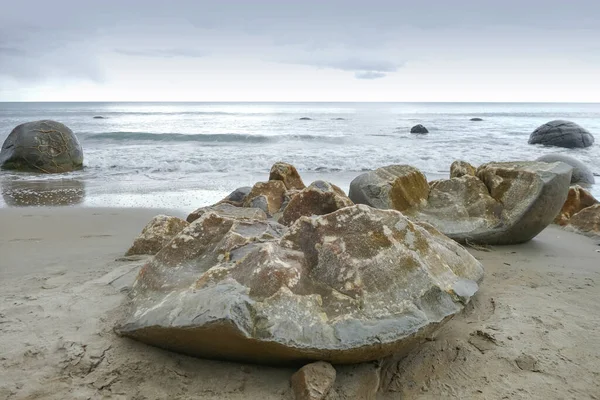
column 562, row 134
column 351, row 286
column 41, row 146
column 313, row 381
column 229, row 210
column 461, row 168
column 397, row 187
column 268, row 196
column 587, row 221
column 581, row 173
column 156, row 234
column 288, row 174
column 420, row 129
column 577, row 199
column 318, row 199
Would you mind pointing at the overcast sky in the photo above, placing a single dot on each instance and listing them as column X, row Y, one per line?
column 309, row 50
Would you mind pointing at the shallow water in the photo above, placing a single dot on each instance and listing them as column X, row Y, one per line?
column 185, row 155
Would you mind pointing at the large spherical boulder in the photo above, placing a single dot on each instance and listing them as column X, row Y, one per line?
column 561, row 134
column 581, row 173
column 420, row 129
column 41, row 146
column 351, row 286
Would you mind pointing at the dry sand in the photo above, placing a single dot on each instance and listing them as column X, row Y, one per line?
column 533, row 331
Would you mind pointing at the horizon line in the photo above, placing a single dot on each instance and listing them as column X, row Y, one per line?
column 303, row 101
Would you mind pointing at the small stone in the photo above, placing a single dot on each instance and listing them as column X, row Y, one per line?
column 527, row 363
column 420, row 129
column 313, row 381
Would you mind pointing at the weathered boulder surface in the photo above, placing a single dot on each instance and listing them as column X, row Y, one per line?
column 419, row 129
column 41, row 146
column 268, row 196
column 318, row 199
column 505, row 203
column 238, row 196
column 522, row 199
column 587, row 221
column 228, row 210
column 577, row 199
column 350, row 286
column 561, row 134
column 313, row 381
column 581, row 173
column 461, row 168
column 397, row 187
column 156, row 234
column 288, row 174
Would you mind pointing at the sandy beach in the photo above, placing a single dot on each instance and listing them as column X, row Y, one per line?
column 532, row 332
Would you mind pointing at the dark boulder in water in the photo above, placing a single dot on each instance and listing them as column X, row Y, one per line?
column 305, row 119
column 99, row 117
column 41, row 146
column 419, row 129
column 339, row 119
column 561, row 133
column 476, row 119
column 581, row 173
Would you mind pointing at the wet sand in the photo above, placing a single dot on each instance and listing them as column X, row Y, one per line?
column 532, row 332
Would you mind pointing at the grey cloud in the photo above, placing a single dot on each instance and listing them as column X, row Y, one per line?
column 162, row 53
column 369, row 75
column 11, row 51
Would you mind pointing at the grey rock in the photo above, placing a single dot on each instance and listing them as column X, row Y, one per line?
column 581, row 173
column 99, row 117
column 305, row 119
column 238, row 195
column 562, row 134
column 41, row 146
column 351, row 286
column 476, row 119
column 419, row 129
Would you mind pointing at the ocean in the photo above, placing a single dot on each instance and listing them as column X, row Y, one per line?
column 187, row 155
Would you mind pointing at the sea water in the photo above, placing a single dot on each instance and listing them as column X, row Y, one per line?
column 186, row 155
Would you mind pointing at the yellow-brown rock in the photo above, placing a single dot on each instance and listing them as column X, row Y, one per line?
column 267, row 196
column 156, row 234
column 313, row 381
column 318, row 199
column 397, row 187
column 577, row 200
column 461, row 168
column 288, row 174
column 587, row 221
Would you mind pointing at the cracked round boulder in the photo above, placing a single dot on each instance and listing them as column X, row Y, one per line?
column 561, row 133
column 41, row 146
column 505, row 203
column 351, row 286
